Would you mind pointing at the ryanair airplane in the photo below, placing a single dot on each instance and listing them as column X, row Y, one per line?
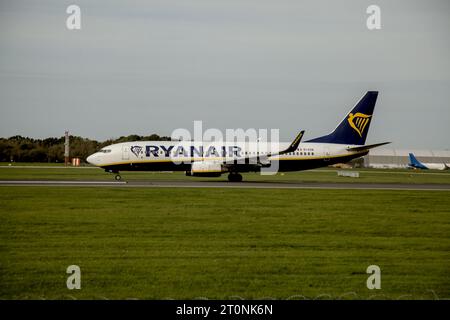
column 212, row 159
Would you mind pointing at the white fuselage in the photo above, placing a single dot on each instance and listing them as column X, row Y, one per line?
column 143, row 152
column 435, row 166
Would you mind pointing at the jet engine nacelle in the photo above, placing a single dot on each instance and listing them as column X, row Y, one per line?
column 206, row 169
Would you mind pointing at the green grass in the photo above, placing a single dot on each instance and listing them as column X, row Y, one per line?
column 223, row 243
column 33, row 164
column 321, row 175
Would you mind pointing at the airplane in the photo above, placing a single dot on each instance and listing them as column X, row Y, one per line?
column 212, row 159
column 416, row 164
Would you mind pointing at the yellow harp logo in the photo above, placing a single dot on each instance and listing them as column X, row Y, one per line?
column 358, row 122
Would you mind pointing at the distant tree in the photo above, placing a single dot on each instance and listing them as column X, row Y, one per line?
column 51, row 141
column 5, row 150
column 155, row 137
column 38, row 154
column 19, row 148
column 55, row 153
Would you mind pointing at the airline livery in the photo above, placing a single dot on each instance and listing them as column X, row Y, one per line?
column 416, row 164
column 212, row 159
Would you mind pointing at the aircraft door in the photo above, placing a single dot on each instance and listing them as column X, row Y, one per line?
column 125, row 153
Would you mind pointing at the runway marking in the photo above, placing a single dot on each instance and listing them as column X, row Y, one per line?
column 44, row 167
column 49, row 182
column 289, row 187
column 243, row 185
column 399, row 172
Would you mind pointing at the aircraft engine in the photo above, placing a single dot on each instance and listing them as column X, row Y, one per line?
column 206, row 169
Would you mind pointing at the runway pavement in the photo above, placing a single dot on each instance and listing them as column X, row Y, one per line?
column 225, row 184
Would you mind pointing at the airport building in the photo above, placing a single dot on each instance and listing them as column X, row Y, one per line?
column 398, row 158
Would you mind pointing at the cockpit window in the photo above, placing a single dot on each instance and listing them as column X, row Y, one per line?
column 105, row 151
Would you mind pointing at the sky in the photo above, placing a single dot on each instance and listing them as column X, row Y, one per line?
column 143, row 67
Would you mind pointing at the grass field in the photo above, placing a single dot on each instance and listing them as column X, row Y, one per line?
column 322, row 175
column 222, row 243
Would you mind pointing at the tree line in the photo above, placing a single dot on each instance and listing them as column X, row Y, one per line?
column 25, row 149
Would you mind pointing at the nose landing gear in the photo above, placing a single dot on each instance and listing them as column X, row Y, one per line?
column 117, row 176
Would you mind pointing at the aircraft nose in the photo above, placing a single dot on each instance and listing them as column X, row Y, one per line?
column 90, row 159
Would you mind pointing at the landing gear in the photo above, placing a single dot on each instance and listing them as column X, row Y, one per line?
column 117, row 175
column 234, row 177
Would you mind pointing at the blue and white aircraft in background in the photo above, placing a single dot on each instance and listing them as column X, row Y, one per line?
column 416, row 164
column 212, row 159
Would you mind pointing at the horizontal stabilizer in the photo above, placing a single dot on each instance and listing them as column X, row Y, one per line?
column 367, row 147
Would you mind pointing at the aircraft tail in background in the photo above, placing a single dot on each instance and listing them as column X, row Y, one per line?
column 413, row 162
column 416, row 164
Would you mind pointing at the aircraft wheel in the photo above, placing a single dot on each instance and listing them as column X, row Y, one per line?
column 118, row 177
column 235, row 177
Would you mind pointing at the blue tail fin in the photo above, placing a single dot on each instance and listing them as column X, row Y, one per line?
column 415, row 163
column 353, row 129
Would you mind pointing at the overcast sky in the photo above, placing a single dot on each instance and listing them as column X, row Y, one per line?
column 153, row 66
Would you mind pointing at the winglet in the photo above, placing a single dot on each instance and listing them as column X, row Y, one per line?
column 294, row 145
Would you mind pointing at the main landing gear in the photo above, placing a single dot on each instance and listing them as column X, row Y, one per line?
column 234, row 177
column 118, row 177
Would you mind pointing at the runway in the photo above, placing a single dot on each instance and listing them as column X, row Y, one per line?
column 225, row 184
